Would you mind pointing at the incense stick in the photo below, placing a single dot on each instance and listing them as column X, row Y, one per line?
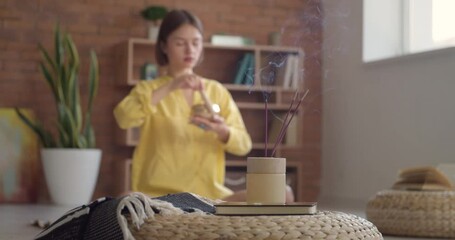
column 285, row 119
column 286, row 122
column 266, row 132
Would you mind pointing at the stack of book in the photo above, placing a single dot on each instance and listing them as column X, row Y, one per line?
column 426, row 178
column 245, row 71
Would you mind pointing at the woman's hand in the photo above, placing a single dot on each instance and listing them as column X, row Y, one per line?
column 187, row 81
column 215, row 123
column 184, row 81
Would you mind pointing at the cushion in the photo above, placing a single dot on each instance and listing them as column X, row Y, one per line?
column 323, row 225
column 189, row 216
column 413, row 213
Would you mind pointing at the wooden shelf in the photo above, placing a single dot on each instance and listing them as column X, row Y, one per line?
column 145, row 41
column 134, row 52
column 270, row 146
column 257, row 88
column 260, row 106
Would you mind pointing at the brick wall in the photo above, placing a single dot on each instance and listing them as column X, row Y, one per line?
column 101, row 24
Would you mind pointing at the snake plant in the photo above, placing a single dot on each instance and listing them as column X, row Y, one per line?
column 61, row 72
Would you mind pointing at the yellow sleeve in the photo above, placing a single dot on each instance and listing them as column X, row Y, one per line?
column 137, row 105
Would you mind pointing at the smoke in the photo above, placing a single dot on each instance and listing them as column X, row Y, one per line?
column 305, row 29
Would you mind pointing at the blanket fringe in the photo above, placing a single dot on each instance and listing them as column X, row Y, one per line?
column 139, row 207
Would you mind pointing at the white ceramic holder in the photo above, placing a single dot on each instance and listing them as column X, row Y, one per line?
column 266, row 180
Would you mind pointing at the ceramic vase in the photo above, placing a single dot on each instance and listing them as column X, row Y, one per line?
column 71, row 174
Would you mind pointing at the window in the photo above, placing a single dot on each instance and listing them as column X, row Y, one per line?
column 443, row 22
column 399, row 27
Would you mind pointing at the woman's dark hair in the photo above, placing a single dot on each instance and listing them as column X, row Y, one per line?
column 172, row 21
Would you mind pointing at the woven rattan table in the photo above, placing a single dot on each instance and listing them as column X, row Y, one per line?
column 323, row 225
column 413, row 213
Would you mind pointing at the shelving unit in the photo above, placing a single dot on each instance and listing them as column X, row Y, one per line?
column 221, row 63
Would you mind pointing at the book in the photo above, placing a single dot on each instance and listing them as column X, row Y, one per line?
column 243, row 67
column 275, row 127
column 248, row 78
column 426, row 178
column 295, row 79
column 291, row 137
column 243, row 208
column 289, row 71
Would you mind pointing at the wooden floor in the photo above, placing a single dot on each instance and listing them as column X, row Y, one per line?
column 15, row 219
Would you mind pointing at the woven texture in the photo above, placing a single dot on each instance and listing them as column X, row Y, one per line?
column 413, row 213
column 324, row 225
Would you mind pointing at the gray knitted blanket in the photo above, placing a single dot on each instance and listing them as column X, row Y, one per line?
column 105, row 218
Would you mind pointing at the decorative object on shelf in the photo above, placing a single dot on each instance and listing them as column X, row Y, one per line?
column 19, row 168
column 275, row 39
column 154, row 14
column 149, row 71
column 74, row 150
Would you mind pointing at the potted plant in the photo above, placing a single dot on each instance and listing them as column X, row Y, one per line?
column 154, row 14
column 70, row 159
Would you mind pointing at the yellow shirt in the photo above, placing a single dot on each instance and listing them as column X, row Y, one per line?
column 173, row 155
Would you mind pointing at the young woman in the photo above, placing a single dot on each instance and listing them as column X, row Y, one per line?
column 179, row 152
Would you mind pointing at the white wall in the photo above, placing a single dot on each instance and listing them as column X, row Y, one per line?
column 380, row 117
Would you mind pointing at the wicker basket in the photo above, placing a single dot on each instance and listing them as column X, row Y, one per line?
column 413, row 213
column 323, row 225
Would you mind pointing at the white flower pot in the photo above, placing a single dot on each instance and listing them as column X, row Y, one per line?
column 71, row 174
column 153, row 32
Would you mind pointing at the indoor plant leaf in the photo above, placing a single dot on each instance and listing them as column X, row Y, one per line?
column 61, row 73
column 154, row 13
column 44, row 136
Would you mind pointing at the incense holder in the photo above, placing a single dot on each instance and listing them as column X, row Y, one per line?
column 266, row 180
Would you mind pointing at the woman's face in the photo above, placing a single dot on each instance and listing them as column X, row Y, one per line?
column 184, row 47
